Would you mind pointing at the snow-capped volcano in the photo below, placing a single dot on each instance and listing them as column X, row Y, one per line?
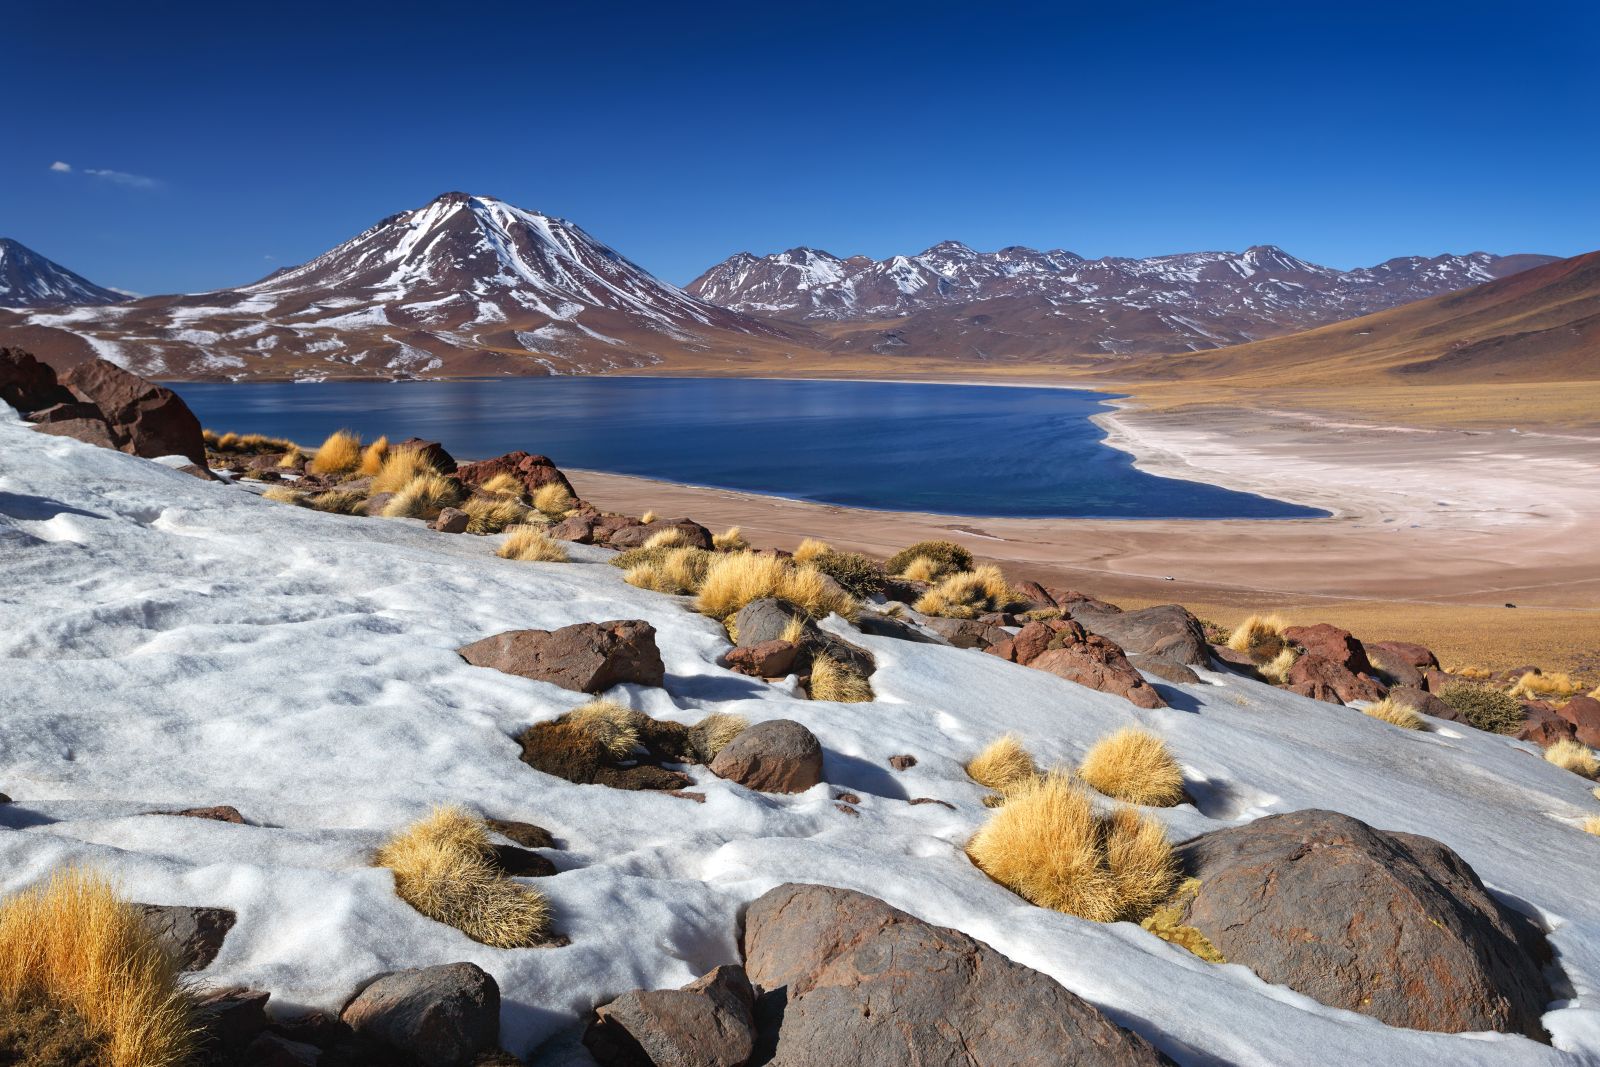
column 29, row 280
column 462, row 285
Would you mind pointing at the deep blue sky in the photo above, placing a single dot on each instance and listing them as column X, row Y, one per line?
column 234, row 142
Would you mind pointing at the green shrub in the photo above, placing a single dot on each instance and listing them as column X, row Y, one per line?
column 1486, row 708
column 947, row 556
column 861, row 576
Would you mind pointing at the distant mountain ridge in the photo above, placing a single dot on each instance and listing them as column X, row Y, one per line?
column 29, row 280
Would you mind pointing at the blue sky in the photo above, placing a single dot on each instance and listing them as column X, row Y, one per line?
column 207, row 147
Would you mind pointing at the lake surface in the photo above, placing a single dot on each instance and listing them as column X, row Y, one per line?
column 951, row 449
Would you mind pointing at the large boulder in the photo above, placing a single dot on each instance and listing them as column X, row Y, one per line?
column 1404, row 663
column 534, row 472
column 965, row 633
column 192, row 935
column 1584, row 714
column 145, row 419
column 1067, row 600
column 28, row 385
column 431, row 452
column 766, row 619
column 1332, row 644
column 765, row 659
column 589, row 657
column 1543, row 725
column 1166, row 631
column 694, row 535
column 1316, row 676
column 1063, row 648
column 444, row 1016
column 859, row 982
column 91, row 431
column 776, row 756
column 1424, row 702
column 708, row 1023
column 1391, row 925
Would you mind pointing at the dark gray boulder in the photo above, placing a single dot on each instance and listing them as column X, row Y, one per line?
column 444, row 1016
column 194, row 936
column 708, row 1023
column 776, row 756
column 1166, row 631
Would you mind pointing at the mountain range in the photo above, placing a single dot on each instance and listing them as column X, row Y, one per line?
column 29, row 280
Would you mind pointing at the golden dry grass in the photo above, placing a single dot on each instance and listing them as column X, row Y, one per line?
column 1133, row 765
column 967, row 595
column 838, row 682
column 1386, row 710
column 1050, row 846
column 339, row 454
column 607, row 722
column 677, row 571
column 736, row 578
column 921, row 569
column 1591, row 825
column 794, row 631
column 810, row 549
column 372, row 457
column 1003, row 765
column 671, row 537
column 1276, row 670
column 424, row 496
column 71, row 943
column 504, row 484
column 1556, row 686
column 400, row 468
column 713, row 732
column 552, row 498
column 443, row 867
column 730, row 540
column 648, row 517
column 1260, row 637
column 1166, row 922
column 283, row 494
column 487, row 515
column 531, row 544
column 946, row 558
column 1575, row 757
column 338, row 502
column 292, row 460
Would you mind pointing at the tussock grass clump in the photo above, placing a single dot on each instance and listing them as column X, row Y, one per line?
column 946, row 557
column 1591, row 825
column 293, row 459
column 861, row 576
column 609, row 723
column 531, row 544
column 967, row 595
column 1260, row 637
column 1394, row 714
column 838, row 682
column 647, row 518
column 810, row 549
column 490, row 516
column 711, row 734
column 552, row 498
column 921, row 569
column 1050, row 846
column 443, row 866
column 338, row 502
column 1276, row 670
column 1166, row 922
column 1575, row 757
column 401, row 467
column 283, row 494
column 1484, row 707
column 339, row 454
column 730, row 540
column 1471, row 672
column 424, row 496
column 1003, row 765
column 736, row 578
column 671, row 537
column 372, row 457
column 1134, row 765
column 72, row 946
column 504, row 484
column 252, row 443
column 675, row 571
column 1556, row 686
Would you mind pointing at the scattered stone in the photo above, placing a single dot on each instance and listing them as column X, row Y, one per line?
column 588, row 657
column 377, row 502
column 145, row 419
column 708, row 1023
column 432, row 453
column 1317, row 672
column 876, row 625
column 776, row 756
column 1332, row 644
column 767, row 618
column 694, row 535
column 534, row 472
column 194, row 936
column 1398, row 662
column 1238, row 662
column 442, row 1016
column 525, row 834
column 451, row 520
column 204, row 473
column 1167, row 631
column 848, row 798
column 1391, row 925
column 517, row 862
column 228, row 1020
column 1583, row 713
column 1062, row 647
column 1543, row 725
column 577, row 755
column 1316, row 690
column 1165, row 669
column 766, row 659
column 687, row 794
column 848, row 810
column 219, row 812
column 844, row 978
column 1424, row 702
column 966, row 633
column 932, row 800
column 902, row 763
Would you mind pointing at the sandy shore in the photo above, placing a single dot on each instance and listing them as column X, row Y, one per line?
column 1432, row 530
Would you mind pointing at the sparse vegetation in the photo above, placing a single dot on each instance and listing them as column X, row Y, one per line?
column 609, row 723
column 552, row 498
column 861, row 576
column 730, row 540
column 810, row 549
column 339, row 454
column 71, row 947
column 293, row 459
column 424, row 496
column 837, row 681
column 248, row 443
column 338, row 502
column 1003, row 765
column 1591, row 825
column 401, row 467
column 1386, row 710
column 1260, row 637
column 443, row 867
column 675, row 571
column 648, row 517
column 283, row 494
column 1556, row 686
column 711, row 734
column 372, row 457
column 945, row 557
column 1050, row 846
column 1276, row 670
column 1166, row 922
column 671, row 537
column 1134, row 765
column 531, row 544
column 504, row 484
column 967, row 595
column 1485, row 707
column 1572, row 756
column 735, row 579
column 490, row 515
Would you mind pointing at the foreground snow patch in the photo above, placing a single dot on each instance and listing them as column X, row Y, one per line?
column 170, row 643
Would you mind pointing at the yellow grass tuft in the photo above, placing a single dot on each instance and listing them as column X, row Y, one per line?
column 338, row 502
column 677, row 571
column 531, row 544
column 1003, row 765
column 1134, row 765
column 810, row 549
column 607, row 722
column 490, row 516
column 1395, row 714
column 1555, row 686
column 505, row 484
column 671, row 537
column 838, row 682
column 1260, row 637
column 1166, row 922
column 648, row 517
column 400, row 468
column 443, row 866
column 967, row 595
column 283, row 494
column 339, row 454
column 1471, row 672
column 1276, row 670
column 794, row 631
column 1050, row 846
column 292, row 459
column 423, row 497
column 552, row 498
column 713, row 733
column 730, row 540
column 736, row 578
column 1575, row 757
column 1595, row 695
column 1591, row 825
column 71, row 944
column 372, row 457
column 921, row 569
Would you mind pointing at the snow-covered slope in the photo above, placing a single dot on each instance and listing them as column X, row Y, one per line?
column 169, row 643
column 29, row 280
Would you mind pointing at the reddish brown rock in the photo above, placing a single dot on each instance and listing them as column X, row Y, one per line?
column 1166, row 631
column 444, row 1016
column 451, row 520
column 1332, row 644
column 64, row 412
column 89, row 431
column 1424, row 702
column 1315, row 690
column 229, row 1019
column 533, row 471
column 28, row 385
column 966, row 633
column 766, row 659
column 1315, row 671
column 589, row 657
column 193, row 935
column 218, row 813
column 1543, row 725
column 775, row 756
column 432, row 452
column 708, row 1023
column 145, row 419
column 902, row 763
column 694, row 535
column 1402, row 661
column 1584, row 714
column 1063, row 648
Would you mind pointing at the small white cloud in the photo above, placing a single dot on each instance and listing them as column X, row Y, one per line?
column 61, row 168
column 122, row 177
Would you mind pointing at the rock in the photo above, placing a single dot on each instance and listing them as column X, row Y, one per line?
column 578, row 528
column 1391, row 925
column 570, row 752
column 1165, row 669
column 228, row 1020
column 1584, row 714
column 194, row 470
column 451, row 520
column 1543, row 725
column 525, row 834
column 89, row 431
column 708, row 1023
column 1063, row 648
column 694, row 535
column 517, row 862
column 776, row 756
column 902, row 763
column 432, row 452
column 1166, row 631
column 767, row 618
column 534, row 472
column 931, row 800
column 194, row 936
column 1315, row 690
column 377, row 502
column 1424, row 702
column 28, row 385
column 847, row 979
column 442, row 1016
column 1316, row 671
column 588, row 657
column 145, row 419
column 966, row 633
column 1066, row 600
column 219, row 812
column 270, row 1050
column 1238, row 662
column 64, row 412
column 876, row 625
column 1400, row 662
column 766, row 659
column 313, row 1027
column 1332, row 644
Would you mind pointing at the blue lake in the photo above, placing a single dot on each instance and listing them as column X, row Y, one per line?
column 951, row 449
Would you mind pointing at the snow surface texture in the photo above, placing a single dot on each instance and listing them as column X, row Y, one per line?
column 171, row 643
